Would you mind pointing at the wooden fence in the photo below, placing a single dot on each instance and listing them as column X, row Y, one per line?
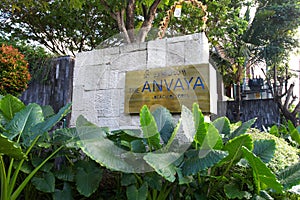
column 265, row 110
column 56, row 90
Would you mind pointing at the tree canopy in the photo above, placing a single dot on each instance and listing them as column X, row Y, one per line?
column 65, row 26
column 58, row 25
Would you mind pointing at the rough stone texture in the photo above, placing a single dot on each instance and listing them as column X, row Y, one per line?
column 99, row 76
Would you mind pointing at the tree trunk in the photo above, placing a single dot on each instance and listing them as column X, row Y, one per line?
column 130, row 19
column 238, row 97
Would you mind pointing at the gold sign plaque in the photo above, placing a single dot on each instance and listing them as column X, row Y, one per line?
column 170, row 87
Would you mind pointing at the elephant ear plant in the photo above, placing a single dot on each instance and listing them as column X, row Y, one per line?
column 21, row 130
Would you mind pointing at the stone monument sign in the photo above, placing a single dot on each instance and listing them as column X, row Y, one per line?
column 112, row 84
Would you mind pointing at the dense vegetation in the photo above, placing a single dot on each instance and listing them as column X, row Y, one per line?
column 216, row 160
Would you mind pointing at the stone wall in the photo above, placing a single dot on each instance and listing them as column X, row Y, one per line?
column 99, row 75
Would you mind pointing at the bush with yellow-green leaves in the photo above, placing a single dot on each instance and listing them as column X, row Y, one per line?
column 285, row 155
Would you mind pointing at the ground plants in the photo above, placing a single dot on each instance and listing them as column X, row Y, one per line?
column 163, row 159
column 22, row 130
column 189, row 158
column 36, row 158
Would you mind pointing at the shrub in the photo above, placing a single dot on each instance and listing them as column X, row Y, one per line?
column 285, row 154
column 14, row 73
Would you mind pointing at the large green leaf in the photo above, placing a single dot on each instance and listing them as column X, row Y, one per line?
column 242, row 129
column 24, row 120
column 88, row 177
column 234, row 147
column 128, row 179
column 149, row 128
column 188, row 125
column 9, row 106
column 233, row 191
column 66, row 173
column 223, row 125
column 93, row 142
column 165, row 123
column 47, row 111
column 294, row 132
column 138, row 146
column 46, row 183
column 50, row 122
column 64, row 194
column 133, row 193
column 173, row 135
column 65, row 136
column 200, row 125
column 154, row 181
column 213, row 139
column 264, row 149
column 163, row 163
column 196, row 162
column 36, row 161
column 183, row 179
column 290, row 176
column 263, row 176
column 10, row 148
column 295, row 135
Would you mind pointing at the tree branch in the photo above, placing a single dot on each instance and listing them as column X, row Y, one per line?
column 144, row 8
column 289, row 94
column 121, row 25
column 107, row 7
column 147, row 24
column 297, row 109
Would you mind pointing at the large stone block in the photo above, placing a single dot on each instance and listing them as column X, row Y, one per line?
column 111, row 122
column 77, row 100
column 142, row 46
column 175, row 53
column 130, row 61
column 107, row 103
column 92, row 76
column 95, row 57
column 157, row 53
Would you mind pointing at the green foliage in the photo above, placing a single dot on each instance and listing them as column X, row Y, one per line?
column 196, row 161
column 294, row 132
column 149, row 128
column 263, row 176
column 82, row 26
column 285, row 155
column 264, row 149
column 88, row 177
column 38, row 58
column 233, row 191
column 290, row 176
column 220, row 162
column 134, row 193
column 273, row 28
column 20, row 136
column 14, row 74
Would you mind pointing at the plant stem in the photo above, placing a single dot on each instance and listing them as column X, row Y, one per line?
column 10, row 170
column 24, row 183
column 16, row 173
column 3, row 180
